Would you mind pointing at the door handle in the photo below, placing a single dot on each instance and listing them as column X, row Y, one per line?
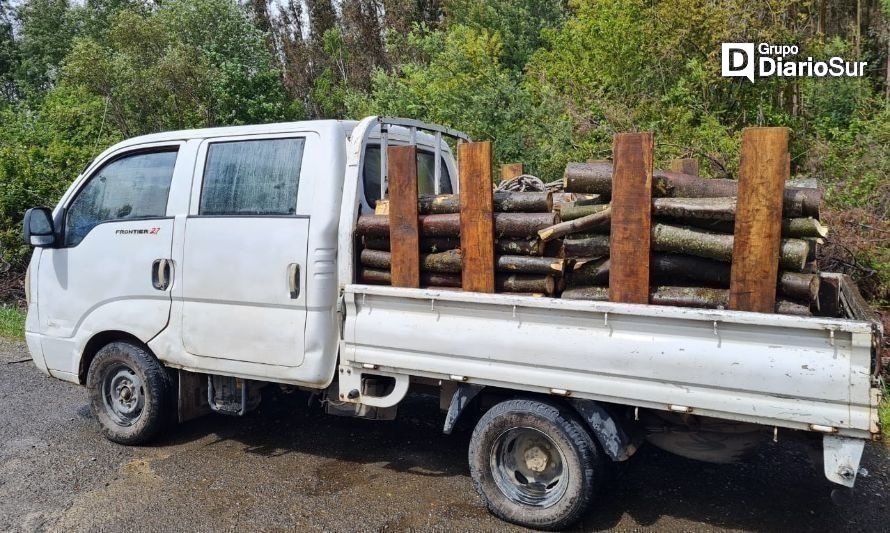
column 293, row 280
column 161, row 274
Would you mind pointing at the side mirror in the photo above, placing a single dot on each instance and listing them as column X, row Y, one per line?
column 38, row 228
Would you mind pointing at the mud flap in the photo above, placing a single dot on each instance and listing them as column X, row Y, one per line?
column 841, row 456
column 617, row 441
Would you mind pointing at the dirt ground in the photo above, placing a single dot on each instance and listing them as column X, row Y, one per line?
column 289, row 467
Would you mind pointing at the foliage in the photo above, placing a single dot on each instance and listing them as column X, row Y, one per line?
column 12, row 322
column 548, row 81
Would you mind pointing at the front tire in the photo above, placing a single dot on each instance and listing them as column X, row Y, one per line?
column 130, row 393
column 534, row 464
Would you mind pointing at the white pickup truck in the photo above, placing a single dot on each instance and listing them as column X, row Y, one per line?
column 183, row 271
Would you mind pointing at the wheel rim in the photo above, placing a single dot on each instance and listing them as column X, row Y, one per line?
column 123, row 395
column 529, row 467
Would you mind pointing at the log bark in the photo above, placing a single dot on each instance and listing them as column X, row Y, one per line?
column 801, row 228
column 697, row 297
column 800, row 286
column 675, row 268
column 589, row 272
column 596, row 178
column 594, row 246
column 588, row 222
column 511, row 225
column 709, row 209
column 449, row 262
column 577, row 211
column 373, row 276
column 526, row 283
column 503, row 201
column 700, row 243
column 504, row 246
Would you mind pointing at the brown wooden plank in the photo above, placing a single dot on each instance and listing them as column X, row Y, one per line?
column 686, row 165
column 404, row 229
column 476, row 220
column 765, row 165
column 510, row 170
column 631, row 217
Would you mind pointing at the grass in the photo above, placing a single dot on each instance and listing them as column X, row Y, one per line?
column 12, row 322
column 884, row 413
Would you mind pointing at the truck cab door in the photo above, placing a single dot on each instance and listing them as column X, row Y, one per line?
column 244, row 252
column 111, row 267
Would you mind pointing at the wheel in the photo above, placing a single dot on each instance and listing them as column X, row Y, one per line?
column 130, row 393
column 534, row 463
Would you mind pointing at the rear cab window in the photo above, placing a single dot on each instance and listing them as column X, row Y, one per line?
column 426, row 172
column 258, row 177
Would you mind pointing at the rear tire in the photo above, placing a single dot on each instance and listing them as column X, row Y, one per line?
column 534, row 464
column 130, row 393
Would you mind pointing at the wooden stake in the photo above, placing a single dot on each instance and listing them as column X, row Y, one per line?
column 404, row 228
column 685, row 166
column 476, row 220
column 511, row 170
column 631, row 218
column 765, row 165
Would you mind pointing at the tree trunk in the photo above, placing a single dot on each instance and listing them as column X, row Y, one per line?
column 505, row 224
column 675, row 269
column 596, row 178
column 695, row 208
column 573, row 226
column 589, row 272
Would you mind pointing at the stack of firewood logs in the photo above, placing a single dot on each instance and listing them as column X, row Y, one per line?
column 523, row 262
column 559, row 244
column 691, row 239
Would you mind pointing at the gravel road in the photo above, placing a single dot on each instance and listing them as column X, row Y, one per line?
column 289, row 467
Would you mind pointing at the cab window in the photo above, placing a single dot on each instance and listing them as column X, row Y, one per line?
column 129, row 187
column 426, row 172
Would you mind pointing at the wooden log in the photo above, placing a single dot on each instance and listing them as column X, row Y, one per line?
column 682, row 269
column 801, row 228
column 586, row 272
column 695, row 208
column 800, row 286
column 686, row 165
column 701, row 243
column 598, row 294
column 526, row 283
column 596, row 178
column 449, row 262
column 527, row 246
column 577, row 211
column 404, row 232
column 510, row 225
column 504, row 202
column 510, row 170
column 787, row 307
column 555, row 231
column 427, row 279
column 765, row 166
column 593, row 246
column 504, row 246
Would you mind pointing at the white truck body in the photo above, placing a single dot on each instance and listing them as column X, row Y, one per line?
column 273, row 298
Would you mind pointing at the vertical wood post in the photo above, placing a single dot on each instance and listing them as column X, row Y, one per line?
column 476, row 219
column 631, row 217
column 404, row 231
column 765, row 166
column 685, row 165
column 511, row 170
